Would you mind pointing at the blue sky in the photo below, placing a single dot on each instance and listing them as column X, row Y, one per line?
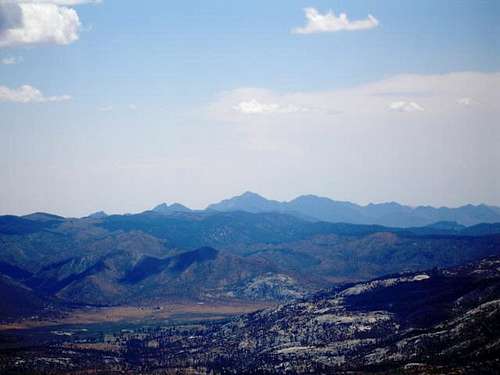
column 188, row 50
column 155, row 89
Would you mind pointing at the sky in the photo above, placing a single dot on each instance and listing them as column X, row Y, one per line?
column 121, row 105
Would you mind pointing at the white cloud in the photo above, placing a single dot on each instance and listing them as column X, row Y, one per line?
column 62, row 2
column 107, row 108
column 253, row 106
column 329, row 22
column 436, row 95
column 39, row 21
column 132, row 107
column 28, row 94
column 403, row 106
column 11, row 60
column 465, row 101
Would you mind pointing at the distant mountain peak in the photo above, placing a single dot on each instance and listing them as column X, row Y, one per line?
column 164, row 208
column 98, row 215
column 317, row 208
column 179, row 207
column 161, row 206
column 250, row 195
column 248, row 201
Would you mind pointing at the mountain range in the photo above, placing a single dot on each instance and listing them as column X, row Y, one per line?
column 350, row 297
column 314, row 208
column 109, row 260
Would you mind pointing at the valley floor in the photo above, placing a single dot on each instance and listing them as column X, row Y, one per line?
column 164, row 311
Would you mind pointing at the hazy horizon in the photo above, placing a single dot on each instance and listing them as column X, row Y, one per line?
column 119, row 211
column 108, row 105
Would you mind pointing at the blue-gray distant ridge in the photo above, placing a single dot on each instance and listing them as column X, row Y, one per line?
column 390, row 214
